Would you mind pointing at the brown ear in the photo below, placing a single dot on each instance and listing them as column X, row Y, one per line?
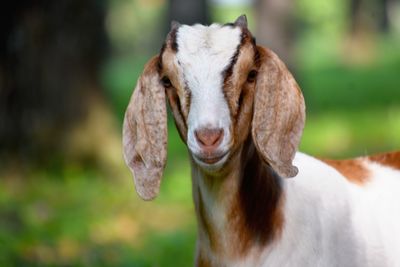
column 145, row 132
column 279, row 114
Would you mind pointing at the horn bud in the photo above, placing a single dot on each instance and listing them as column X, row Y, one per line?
column 241, row 21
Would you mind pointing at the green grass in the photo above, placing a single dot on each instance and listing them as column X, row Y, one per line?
column 80, row 218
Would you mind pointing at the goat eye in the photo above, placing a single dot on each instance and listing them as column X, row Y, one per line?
column 166, row 82
column 251, row 77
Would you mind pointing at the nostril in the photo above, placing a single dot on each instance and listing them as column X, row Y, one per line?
column 209, row 137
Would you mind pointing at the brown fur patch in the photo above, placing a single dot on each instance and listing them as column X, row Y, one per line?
column 391, row 159
column 236, row 87
column 172, row 41
column 235, row 74
column 171, row 69
column 178, row 95
column 353, row 169
column 159, row 61
column 256, row 215
column 175, row 105
column 202, row 261
column 239, row 94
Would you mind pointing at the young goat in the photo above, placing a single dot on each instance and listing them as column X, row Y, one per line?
column 241, row 114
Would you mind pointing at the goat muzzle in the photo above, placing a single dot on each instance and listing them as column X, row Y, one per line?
column 209, row 139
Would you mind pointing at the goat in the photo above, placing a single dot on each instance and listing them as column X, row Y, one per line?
column 241, row 114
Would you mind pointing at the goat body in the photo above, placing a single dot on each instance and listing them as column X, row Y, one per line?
column 241, row 114
column 319, row 218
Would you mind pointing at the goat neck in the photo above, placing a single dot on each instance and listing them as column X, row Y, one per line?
column 238, row 208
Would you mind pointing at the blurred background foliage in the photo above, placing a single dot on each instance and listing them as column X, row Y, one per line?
column 68, row 68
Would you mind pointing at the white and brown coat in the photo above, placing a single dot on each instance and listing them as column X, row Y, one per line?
column 241, row 114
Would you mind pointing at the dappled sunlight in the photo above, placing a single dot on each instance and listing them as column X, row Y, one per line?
column 97, row 138
column 68, row 250
column 119, row 228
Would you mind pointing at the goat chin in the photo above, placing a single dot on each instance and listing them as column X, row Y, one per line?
column 212, row 163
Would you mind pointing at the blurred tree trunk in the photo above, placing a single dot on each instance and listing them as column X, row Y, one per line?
column 384, row 23
column 369, row 15
column 276, row 27
column 188, row 11
column 367, row 19
column 50, row 53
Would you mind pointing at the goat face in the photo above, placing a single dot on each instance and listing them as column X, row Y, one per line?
column 204, row 70
column 220, row 85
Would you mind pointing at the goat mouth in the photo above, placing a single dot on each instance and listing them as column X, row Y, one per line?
column 210, row 159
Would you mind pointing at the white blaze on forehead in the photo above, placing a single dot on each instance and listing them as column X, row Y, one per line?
column 203, row 54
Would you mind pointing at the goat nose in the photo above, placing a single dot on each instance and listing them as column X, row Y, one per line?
column 209, row 138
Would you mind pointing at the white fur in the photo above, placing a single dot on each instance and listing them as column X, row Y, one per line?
column 203, row 54
column 329, row 221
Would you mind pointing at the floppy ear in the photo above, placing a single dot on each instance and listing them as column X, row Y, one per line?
column 145, row 132
column 279, row 114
